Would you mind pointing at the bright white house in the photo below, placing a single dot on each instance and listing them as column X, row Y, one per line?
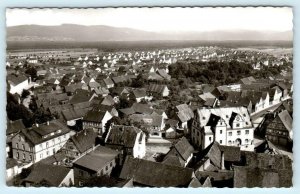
column 228, row 126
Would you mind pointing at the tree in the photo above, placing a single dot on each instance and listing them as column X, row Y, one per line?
column 25, row 93
column 32, row 72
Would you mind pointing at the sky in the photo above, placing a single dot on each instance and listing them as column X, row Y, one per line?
column 161, row 19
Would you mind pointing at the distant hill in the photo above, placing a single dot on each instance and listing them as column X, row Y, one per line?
column 72, row 32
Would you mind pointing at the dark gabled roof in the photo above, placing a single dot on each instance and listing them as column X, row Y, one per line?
column 122, row 135
column 184, row 148
column 139, row 93
column 84, row 140
column 172, row 160
column 142, row 108
column 164, row 74
column 97, row 159
column 108, row 81
column 108, row 100
column 81, row 96
column 156, row 88
column 52, row 174
column 16, row 79
column 231, row 153
column 14, row 126
column 73, row 87
column 94, row 116
column 35, row 134
column 155, row 174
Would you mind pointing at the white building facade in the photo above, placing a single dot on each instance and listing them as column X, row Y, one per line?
column 228, row 126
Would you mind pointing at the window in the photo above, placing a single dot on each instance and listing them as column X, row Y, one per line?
column 17, row 155
column 41, row 155
column 23, row 146
column 111, row 164
column 229, row 142
column 209, row 138
column 30, row 157
column 47, row 153
column 221, row 141
column 246, row 140
column 220, row 131
column 230, row 134
column 23, row 157
column 247, row 132
column 226, row 116
column 17, row 145
column 203, row 118
column 102, row 172
column 238, row 132
column 106, row 168
column 237, row 125
column 47, row 144
column 19, row 138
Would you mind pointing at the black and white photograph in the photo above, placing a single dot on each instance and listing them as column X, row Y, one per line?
column 187, row 97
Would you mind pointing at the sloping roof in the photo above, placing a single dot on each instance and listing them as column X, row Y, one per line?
column 172, row 160
column 195, row 183
column 261, row 177
column 286, row 120
column 122, row 135
column 184, row 148
column 108, row 100
column 35, row 134
column 155, row 174
column 53, row 174
column 156, row 88
column 84, row 139
column 81, row 96
column 185, row 112
column 94, row 116
column 97, row 159
column 231, row 153
column 16, row 79
column 227, row 114
column 74, row 113
column 142, row 108
column 14, row 126
column 108, row 81
column 139, row 93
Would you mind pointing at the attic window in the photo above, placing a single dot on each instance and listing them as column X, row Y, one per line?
column 244, row 115
column 226, row 116
column 203, row 118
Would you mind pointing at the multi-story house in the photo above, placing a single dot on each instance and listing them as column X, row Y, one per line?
column 228, row 126
column 96, row 119
column 129, row 139
column 40, row 141
column 80, row 144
